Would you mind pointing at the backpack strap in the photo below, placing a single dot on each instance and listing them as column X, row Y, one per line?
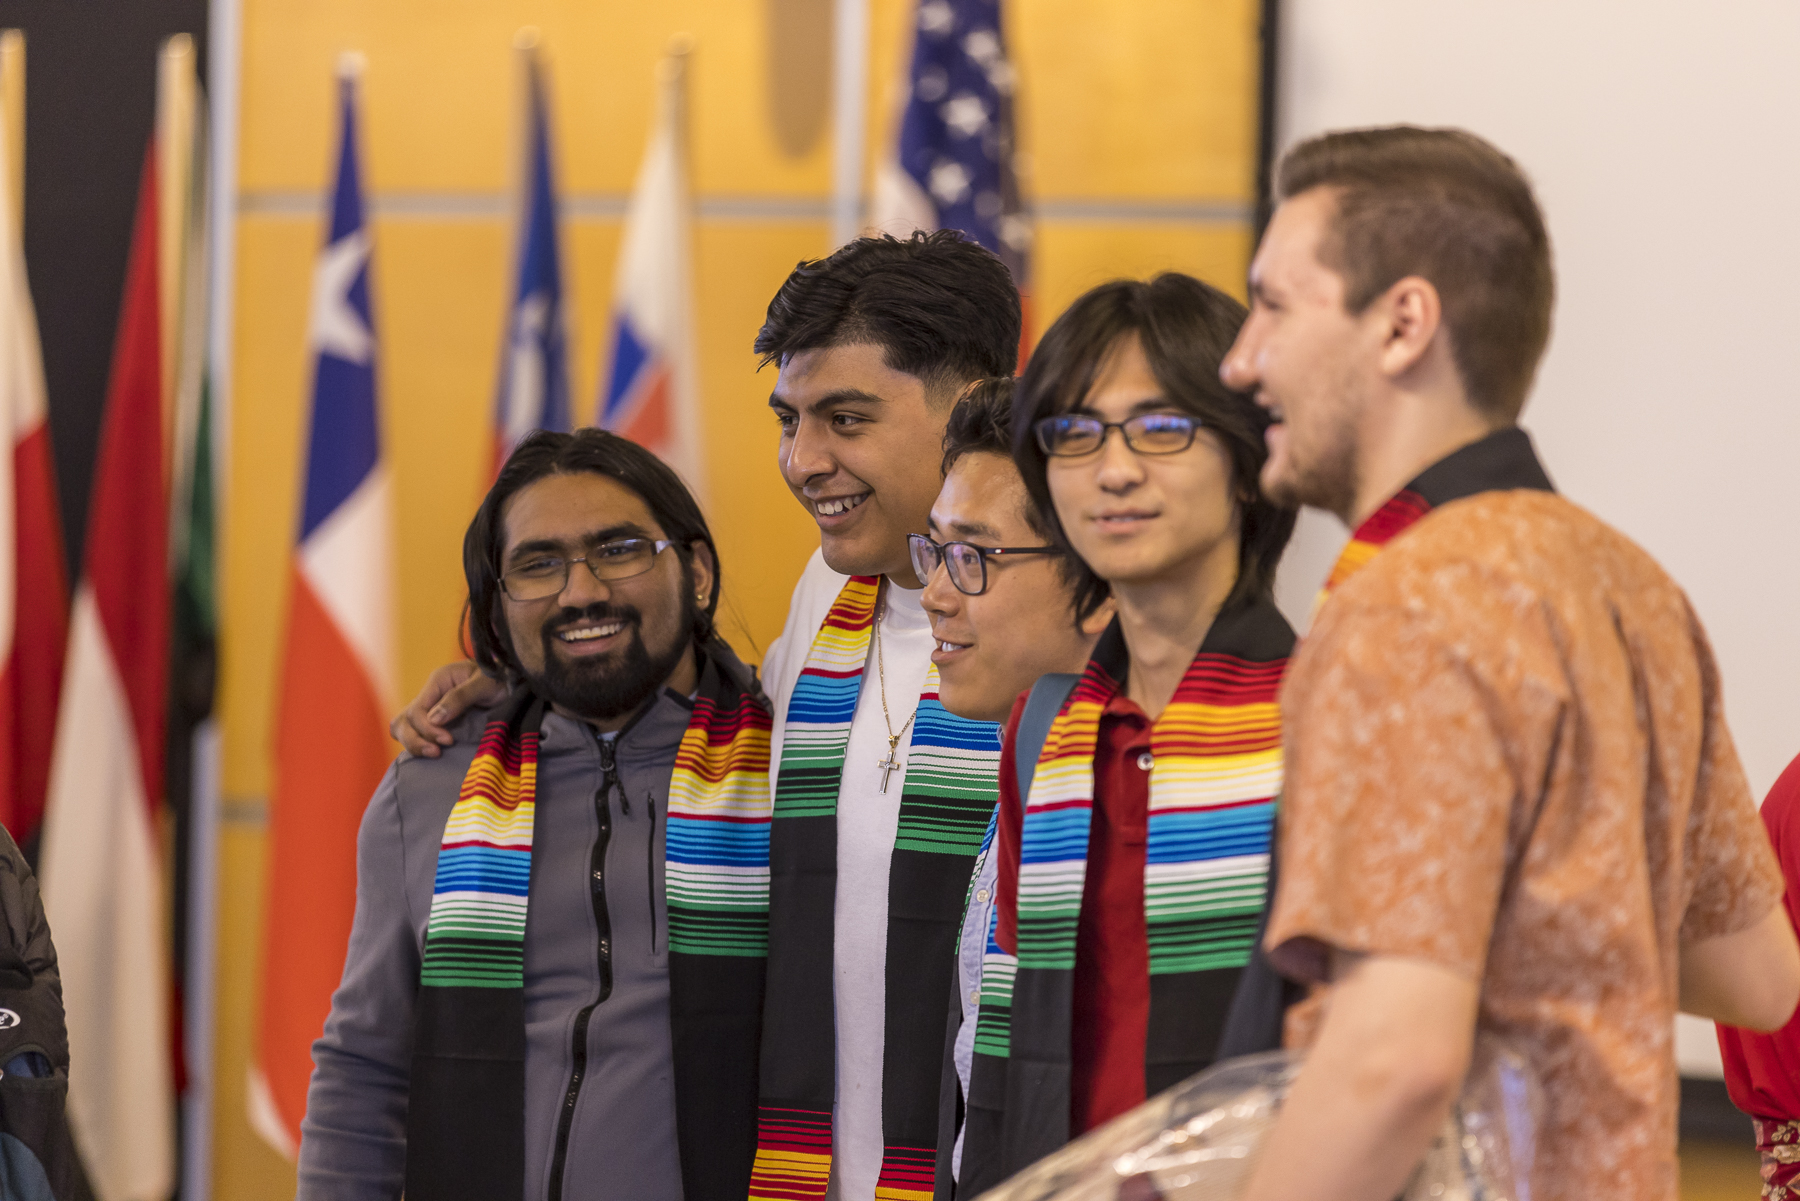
column 1041, row 707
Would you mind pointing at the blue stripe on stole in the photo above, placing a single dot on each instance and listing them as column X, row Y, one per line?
column 935, row 725
column 1211, row 833
column 483, row 869
column 824, row 699
column 1055, row 836
column 722, row 844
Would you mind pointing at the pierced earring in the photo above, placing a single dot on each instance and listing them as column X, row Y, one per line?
column 701, row 597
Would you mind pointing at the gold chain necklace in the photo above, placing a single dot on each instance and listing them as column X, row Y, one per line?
column 889, row 765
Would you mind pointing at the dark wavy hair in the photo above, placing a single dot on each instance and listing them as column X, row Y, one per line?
column 1186, row 327
column 944, row 309
column 543, row 454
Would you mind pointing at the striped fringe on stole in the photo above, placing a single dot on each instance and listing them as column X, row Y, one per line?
column 475, row 935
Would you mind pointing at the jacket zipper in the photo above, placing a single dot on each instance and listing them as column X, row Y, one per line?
column 650, row 867
column 609, row 767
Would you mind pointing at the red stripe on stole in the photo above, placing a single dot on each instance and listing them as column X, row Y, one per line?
column 327, row 702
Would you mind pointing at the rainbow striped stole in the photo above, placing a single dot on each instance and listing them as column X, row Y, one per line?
column 475, row 935
column 1213, row 783
column 817, row 729
column 946, row 804
column 468, row 1068
column 1377, row 530
column 716, row 842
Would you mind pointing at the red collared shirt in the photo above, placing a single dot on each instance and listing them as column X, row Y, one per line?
column 1110, row 1021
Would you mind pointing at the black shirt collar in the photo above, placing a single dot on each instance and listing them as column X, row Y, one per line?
column 1503, row 461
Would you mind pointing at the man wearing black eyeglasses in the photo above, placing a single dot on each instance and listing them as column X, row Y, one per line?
column 1003, row 601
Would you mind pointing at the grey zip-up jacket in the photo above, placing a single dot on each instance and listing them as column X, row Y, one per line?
column 599, row 1083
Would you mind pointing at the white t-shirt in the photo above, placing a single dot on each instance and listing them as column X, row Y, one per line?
column 867, row 820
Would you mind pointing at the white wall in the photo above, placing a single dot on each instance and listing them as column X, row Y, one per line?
column 1664, row 141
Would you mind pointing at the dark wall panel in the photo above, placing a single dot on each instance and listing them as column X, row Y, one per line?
column 90, row 82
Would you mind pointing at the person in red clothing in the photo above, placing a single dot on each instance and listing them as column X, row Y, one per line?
column 1762, row 1071
column 1131, row 882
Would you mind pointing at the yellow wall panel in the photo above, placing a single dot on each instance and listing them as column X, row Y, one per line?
column 1072, row 257
column 1154, row 99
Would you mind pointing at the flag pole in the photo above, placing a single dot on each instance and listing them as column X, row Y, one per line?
column 849, row 106
column 12, row 101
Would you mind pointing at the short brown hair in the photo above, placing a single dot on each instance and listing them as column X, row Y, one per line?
column 1444, row 205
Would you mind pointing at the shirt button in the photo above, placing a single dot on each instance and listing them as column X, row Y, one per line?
column 1146, row 760
column 974, row 995
column 981, row 895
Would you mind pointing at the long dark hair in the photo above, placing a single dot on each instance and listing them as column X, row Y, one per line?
column 544, row 454
column 1186, row 327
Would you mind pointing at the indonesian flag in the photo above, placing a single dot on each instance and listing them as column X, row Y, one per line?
column 34, row 592
column 534, row 369
column 652, row 389
column 332, row 745
column 101, row 863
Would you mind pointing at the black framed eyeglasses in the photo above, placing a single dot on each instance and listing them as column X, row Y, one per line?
column 543, row 576
column 966, row 562
column 1068, row 435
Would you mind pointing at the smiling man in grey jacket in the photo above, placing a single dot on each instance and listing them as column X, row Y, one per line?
column 554, row 983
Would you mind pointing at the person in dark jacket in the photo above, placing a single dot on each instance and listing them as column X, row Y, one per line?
column 554, row 983
column 38, row 1161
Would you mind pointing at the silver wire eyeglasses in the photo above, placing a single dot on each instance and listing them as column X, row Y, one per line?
column 966, row 562
column 544, row 576
column 1069, row 435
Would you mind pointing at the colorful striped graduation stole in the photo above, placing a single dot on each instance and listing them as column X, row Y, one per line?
column 946, row 805
column 465, row 1118
column 1377, row 530
column 1213, row 782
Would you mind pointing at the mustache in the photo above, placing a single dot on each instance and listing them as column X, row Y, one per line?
column 595, row 614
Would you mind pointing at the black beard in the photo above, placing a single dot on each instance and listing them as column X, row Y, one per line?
column 619, row 684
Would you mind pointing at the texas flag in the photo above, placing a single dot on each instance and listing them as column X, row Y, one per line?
column 952, row 162
column 652, row 390
column 331, row 742
column 534, row 369
column 101, row 861
column 34, row 591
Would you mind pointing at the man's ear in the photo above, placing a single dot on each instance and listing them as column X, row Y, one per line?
column 704, row 569
column 1412, row 316
column 1095, row 623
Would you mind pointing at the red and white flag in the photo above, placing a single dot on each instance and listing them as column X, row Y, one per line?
column 34, row 590
column 101, row 863
column 652, row 393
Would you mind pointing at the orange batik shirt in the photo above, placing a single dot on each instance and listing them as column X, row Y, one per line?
column 1507, row 756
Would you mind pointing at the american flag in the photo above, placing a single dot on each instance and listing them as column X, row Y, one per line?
column 952, row 165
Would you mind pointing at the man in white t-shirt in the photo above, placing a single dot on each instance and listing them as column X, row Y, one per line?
column 882, row 795
column 878, row 824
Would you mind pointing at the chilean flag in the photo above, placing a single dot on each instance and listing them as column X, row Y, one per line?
column 331, row 736
column 101, row 862
column 652, row 393
column 534, row 369
column 34, row 590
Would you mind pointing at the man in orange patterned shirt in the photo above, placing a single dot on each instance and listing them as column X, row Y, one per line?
column 1512, row 804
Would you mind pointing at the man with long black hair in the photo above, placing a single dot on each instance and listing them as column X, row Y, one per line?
column 554, row 983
